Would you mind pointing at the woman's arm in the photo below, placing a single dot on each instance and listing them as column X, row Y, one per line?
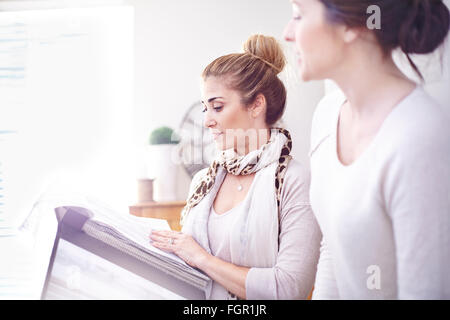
column 325, row 287
column 231, row 276
column 417, row 195
column 293, row 275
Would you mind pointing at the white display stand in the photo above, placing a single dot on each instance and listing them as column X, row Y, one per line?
column 82, row 267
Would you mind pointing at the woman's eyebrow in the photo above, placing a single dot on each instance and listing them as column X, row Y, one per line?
column 211, row 99
column 297, row 3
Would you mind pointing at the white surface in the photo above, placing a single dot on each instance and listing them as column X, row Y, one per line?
column 66, row 84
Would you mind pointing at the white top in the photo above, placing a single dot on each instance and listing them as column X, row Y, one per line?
column 385, row 218
column 293, row 275
column 220, row 225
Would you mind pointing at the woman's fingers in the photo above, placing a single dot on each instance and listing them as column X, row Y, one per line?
column 166, row 233
column 163, row 246
column 160, row 239
column 183, row 245
column 163, row 242
column 166, row 240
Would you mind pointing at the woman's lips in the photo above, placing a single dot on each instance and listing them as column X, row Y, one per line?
column 216, row 135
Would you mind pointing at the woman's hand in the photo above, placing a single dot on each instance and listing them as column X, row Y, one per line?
column 231, row 276
column 181, row 244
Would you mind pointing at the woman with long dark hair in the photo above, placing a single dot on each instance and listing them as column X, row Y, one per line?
column 380, row 149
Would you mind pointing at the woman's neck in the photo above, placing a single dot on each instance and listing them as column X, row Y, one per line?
column 373, row 86
column 253, row 142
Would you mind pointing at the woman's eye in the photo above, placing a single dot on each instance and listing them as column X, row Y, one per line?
column 297, row 17
column 217, row 109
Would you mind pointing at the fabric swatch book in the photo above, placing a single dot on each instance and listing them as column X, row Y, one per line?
column 130, row 234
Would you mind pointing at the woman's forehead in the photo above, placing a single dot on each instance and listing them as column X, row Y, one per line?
column 215, row 87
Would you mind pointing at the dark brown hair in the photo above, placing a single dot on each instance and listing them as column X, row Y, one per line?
column 414, row 26
column 254, row 72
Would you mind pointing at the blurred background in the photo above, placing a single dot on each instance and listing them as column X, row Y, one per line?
column 83, row 84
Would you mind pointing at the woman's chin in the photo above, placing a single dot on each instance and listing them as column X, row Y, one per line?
column 220, row 146
column 303, row 73
column 304, row 76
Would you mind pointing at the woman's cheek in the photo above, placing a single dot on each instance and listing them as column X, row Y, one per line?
column 222, row 142
column 311, row 50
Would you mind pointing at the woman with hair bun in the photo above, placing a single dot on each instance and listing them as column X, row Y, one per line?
column 380, row 149
column 248, row 223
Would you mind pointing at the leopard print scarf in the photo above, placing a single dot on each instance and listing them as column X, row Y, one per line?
column 279, row 146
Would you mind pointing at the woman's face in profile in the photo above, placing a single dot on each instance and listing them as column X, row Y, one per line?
column 316, row 43
column 227, row 118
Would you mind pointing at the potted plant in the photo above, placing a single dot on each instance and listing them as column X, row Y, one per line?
column 162, row 167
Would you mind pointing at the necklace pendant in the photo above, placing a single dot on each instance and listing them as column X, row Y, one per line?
column 239, row 188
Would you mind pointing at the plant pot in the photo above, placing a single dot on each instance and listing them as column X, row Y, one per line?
column 163, row 169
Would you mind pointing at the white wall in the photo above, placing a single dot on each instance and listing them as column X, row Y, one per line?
column 66, row 85
column 175, row 40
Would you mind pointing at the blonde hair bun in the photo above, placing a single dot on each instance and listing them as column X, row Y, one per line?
column 252, row 72
column 267, row 49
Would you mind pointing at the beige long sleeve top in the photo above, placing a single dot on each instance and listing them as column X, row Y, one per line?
column 293, row 275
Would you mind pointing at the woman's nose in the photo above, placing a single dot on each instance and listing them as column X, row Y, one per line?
column 288, row 33
column 209, row 121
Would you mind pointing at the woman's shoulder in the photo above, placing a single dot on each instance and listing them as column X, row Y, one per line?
column 420, row 107
column 419, row 123
column 296, row 183
column 296, row 171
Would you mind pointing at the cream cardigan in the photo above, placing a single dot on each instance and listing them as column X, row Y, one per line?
column 283, row 266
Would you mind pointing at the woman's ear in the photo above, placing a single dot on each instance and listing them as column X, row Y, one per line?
column 348, row 34
column 259, row 106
